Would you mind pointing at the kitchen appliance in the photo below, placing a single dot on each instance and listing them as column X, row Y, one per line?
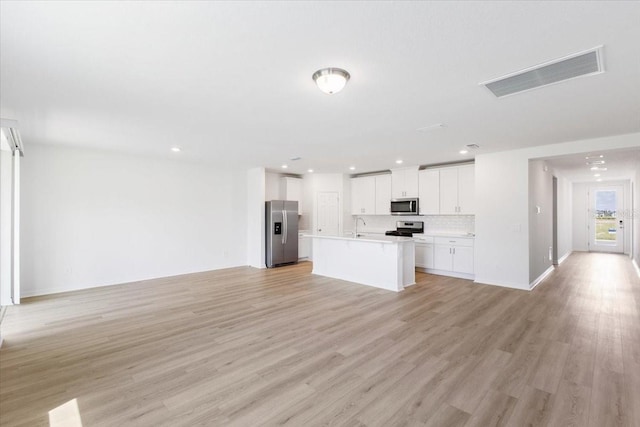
column 406, row 228
column 281, row 227
column 404, row 206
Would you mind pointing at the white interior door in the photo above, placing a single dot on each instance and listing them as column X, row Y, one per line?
column 606, row 219
column 328, row 222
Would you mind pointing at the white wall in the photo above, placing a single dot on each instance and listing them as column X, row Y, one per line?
column 635, row 217
column 580, row 216
column 256, row 239
column 5, row 226
column 502, row 213
column 93, row 218
column 565, row 215
column 540, row 218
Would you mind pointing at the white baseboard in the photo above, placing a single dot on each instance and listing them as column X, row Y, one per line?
column 564, row 257
column 541, row 277
column 446, row 273
column 490, row 282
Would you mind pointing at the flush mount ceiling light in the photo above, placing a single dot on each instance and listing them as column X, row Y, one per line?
column 331, row 80
column 399, row 161
column 464, row 151
column 176, row 149
column 352, row 168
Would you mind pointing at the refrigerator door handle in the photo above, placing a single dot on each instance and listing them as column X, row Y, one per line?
column 284, row 222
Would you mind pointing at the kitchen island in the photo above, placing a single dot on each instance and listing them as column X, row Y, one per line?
column 385, row 262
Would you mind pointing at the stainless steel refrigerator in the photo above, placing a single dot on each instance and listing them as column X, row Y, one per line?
column 281, row 226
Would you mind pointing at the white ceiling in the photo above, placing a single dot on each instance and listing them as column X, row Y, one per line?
column 230, row 82
column 620, row 165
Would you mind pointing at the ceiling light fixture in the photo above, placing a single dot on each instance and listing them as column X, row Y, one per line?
column 310, row 170
column 352, row 168
column 176, row 149
column 596, row 175
column 464, row 151
column 284, row 166
column 599, row 179
column 331, row 80
column 399, row 162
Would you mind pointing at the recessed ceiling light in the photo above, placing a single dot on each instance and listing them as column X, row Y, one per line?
column 176, row 149
column 399, row 162
column 596, row 175
column 310, row 170
column 595, row 162
column 594, row 157
column 352, row 168
column 464, row 151
column 599, row 179
column 284, row 166
column 331, row 80
column 596, row 168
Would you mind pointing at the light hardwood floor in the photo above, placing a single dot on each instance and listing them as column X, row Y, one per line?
column 268, row 347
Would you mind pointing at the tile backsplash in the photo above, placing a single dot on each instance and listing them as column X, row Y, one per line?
column 432, row 223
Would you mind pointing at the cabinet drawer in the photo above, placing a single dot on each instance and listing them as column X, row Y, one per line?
column 423, row 239
column 454, row 241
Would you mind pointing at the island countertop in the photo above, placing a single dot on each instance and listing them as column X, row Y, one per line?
column 368, row 238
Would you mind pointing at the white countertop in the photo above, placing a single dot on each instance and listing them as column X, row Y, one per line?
column 444, row 234
column 417, row 236
column 368, row 238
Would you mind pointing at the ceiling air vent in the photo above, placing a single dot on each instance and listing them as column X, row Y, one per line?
column 569, row 67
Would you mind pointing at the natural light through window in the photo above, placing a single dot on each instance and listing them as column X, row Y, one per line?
column 606, row 228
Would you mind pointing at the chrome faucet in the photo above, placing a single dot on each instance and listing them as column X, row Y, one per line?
column 363, row 223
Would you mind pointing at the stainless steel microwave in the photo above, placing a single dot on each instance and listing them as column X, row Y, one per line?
column 404, row 206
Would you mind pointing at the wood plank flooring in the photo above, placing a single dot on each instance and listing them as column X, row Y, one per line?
column 248, row 347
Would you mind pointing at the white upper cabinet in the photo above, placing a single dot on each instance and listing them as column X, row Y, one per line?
column 466, row 190
column 404, row 182
column 371, row 195
column 448, row 191
column 291, row 189
column 429, row 186
column 457, row 190
column 383, row 194
column 363, row 195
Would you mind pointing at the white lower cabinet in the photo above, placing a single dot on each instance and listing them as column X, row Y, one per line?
column 453, row 254
column 424, row 252
column 304, row 247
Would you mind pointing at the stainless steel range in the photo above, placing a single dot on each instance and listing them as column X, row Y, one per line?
column 406, row 228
